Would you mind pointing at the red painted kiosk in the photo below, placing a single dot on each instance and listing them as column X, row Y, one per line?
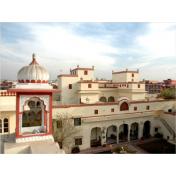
column 33, row 103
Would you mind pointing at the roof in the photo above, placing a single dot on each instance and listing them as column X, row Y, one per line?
column 34, row 90
column 88, row 81
column 82, row 68
column 67, row 75
column 126, row 71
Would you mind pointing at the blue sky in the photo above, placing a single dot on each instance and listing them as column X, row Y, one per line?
column 149, row 47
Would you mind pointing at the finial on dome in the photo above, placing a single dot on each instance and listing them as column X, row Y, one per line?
column 33, row 56
column 33, row 59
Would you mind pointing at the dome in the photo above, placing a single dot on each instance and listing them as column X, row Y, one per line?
column 33, row 73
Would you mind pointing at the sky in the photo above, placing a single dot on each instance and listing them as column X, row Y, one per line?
column 149, row 47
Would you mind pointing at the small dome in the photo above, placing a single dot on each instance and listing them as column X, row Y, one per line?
column 33, row 73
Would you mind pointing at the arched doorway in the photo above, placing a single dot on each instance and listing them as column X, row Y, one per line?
column 95, row 137
column 146, row 129
column 123, row 133
column 124, row 106
column 103, row 99
column 134, row 131
column 111, row 135
column 111, row 99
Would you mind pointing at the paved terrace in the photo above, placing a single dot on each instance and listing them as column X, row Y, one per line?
column 132, row 145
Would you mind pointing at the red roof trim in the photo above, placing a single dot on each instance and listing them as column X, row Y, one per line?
column 117, row 114
column 35, row 90
column 33, row 81
column 87, row 81
column 67, row 75
column 107, row 103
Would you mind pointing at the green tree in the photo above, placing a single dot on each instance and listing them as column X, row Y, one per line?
column 168, row 93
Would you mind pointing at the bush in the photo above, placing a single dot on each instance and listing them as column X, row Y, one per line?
column 169, row 93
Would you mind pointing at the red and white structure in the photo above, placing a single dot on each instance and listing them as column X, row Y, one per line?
column 33, row 103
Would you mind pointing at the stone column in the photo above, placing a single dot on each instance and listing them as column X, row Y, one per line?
column 140, row 130
column 103, row 135
column 117, row 134
column 129, row 128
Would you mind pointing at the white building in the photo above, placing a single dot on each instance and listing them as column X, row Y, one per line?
column 103, row 111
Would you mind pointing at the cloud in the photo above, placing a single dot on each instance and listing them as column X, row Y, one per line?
column 107, row 46
column 59, row 47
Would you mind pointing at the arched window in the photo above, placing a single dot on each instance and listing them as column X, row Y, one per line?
column 111, row 99
column 6, row 125
column 0, row 126
column 124, row 106
column 102, row 99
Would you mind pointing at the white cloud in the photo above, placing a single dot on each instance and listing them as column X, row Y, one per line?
column 60, row 48
column 160, row 41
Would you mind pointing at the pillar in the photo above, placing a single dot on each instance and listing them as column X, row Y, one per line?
column 140, row 130
column 117, row 134
column 129, row 128
column 103, row 135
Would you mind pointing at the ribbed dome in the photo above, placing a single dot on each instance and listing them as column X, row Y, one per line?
column 33, row 73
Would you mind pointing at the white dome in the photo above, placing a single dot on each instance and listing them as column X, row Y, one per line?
column 33, row 73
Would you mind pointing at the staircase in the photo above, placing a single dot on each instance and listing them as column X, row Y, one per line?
column 171, row 131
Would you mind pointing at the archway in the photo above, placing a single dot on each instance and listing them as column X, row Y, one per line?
column 103, row 99
column 124, row 106
column 111, row 99
column 95, row 137
column 111, row 135
column 33, row 116
column 134, row 131
column 146, row 129
column 123, row 133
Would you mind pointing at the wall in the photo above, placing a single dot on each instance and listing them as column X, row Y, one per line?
column 125, row 77
column 68, row 96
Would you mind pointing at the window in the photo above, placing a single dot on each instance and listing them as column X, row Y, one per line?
column 102, row 99
column 59, row 124
column 132, row 75
column 95, row 111
column 156, row 129
column 77, row 121
column 70, row 86
column 0, row 126
column 78, row 141
column 6, row 125
column 112, row 110
column 85, row 72
column 124, row 106
column 132, row 80
column 111, row 99
column 135, row 108
column 147, row 107
column 139, row 85
column 169, row 110
column 89, row 85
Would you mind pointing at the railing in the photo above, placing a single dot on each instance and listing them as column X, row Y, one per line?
column 168, row 127
column 112, row 85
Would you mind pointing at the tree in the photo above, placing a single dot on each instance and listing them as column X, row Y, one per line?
column 169, row 93
column 64, row 130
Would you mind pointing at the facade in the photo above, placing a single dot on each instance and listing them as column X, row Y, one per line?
column 103, row 112
column 169, row 83
column 153, row 87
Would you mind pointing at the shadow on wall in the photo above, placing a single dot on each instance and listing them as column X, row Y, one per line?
column 6, row 138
